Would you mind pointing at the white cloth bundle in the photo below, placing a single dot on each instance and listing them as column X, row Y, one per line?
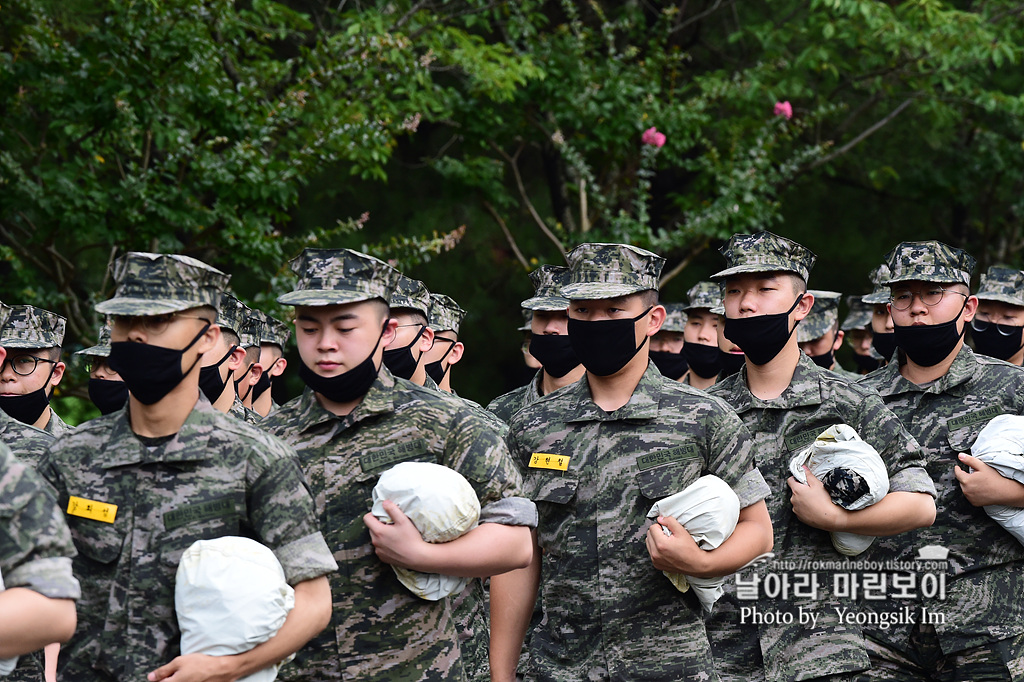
column 230, row 594
column 1001, row 445
column 7, row 665
column 442, row 505
column 708, row 509
column 852, row 472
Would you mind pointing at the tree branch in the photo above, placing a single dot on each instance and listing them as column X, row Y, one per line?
column 683, row 264
column 508, row 235
column 513, row 162
column 864, row 135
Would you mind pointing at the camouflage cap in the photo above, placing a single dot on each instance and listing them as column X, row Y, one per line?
column 675, row 319
column 548, row 281
column 859, row 316
column 5, row 312
column 930, row 261
column 822, row 318
column 412, row 294
column 881, row 294
column 527, row 321
column 1002, row 284
column 159, row 283
column 31, row 327
column 275, row 332
column 251, row 327
column 102, row 347
column 765, row 252
column 610, row 270
column 704, row 295
column 232, row 313
column 333, row 276
column 445, row 314
column 718, row 310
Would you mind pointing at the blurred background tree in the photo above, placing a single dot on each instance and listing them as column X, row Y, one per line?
column 471, row 140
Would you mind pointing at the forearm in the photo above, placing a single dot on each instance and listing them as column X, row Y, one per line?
column 31, row 621
column 751, row 539
column 488, row 550
column 895, row 513
column 513, row 596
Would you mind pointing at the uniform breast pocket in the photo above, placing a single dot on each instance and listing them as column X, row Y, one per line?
column 551, row 487
column 961, row 440
column 98, row 541
column 205, row 518
column 668, row 479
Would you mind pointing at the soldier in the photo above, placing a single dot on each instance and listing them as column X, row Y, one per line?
column 220, row 364
column 549, row 343
column 106, row 389
column 410, row 308
column 532, row 363
column 857, row 328
column 973, row 628
column 246, row 379
column 819, row 336
column 354, row 421
column 998, row 325
column 141, row 485
column 37, row 589
column 786, row 401
column 272, row 360
column 27, row 442
column 445, row 318
column 667, row 345
column 730, row 354
column 597, row 454
column 700, row 338
column 883, row 339
column 32, row 337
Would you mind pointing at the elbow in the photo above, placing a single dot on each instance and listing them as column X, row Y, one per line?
column 927, row 511
column 522, row 554
column 65, row 620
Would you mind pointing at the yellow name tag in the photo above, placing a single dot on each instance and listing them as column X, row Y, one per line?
column 91, row 509
column 544, row 460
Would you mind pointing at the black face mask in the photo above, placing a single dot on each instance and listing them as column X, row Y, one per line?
column 109, row 396
column 929, row 344
column 671, row 365
column 245, row 375
column 825, row 360
column 210, row 381
column 704, row 361
column 262, row 385
column 29, row 407
column 992, row 342
column 151, row 372
column 349, row 385
column 555, row 353
column 761, row 337
column 434, row 369
column 605, row 346
column 400, row 360
column 731, row 362
column 885, row 344
column 866, row 363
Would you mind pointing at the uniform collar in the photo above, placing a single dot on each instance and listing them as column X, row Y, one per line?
column 953, row 382
column 806, row 388
column 190, row 444
column 643, row 404
column 378, row 400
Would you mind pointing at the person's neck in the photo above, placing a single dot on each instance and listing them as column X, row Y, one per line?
column 44, row 418
column 339, row 409
column 263, row 404
column 916, row 374
column 700, row 382
column 446, row 381
column 419, row 377
column 549, row 384
column 226, row 399
column 770, row 380
column 613, row 391
column 166, row 416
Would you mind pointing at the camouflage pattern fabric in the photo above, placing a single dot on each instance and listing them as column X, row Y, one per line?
column 251, row 328
column 765, row 252
column 929, row 261
column 333, row 276
column 411, row 294
column 56, row 425
column 215, row 477
column 527, row 321
column 102, row 347
column 845, row 373
column 26, row 442
column 378, row 629
column 859, row 316
column 232, row 313
column 675, row 319
column 35, row 545
column 240, row 411
column 275, row 332
column 160, row 283
column 607, row 612
column 504, row 406
column 815, row 400
column 1002, row 284
column 984, row 573
column 32, row 327
column 881, row 293
column 703, row 295
column 445, row 314
column 822, row 318
column 5, row 314
column 610, row 270
column 548, row 281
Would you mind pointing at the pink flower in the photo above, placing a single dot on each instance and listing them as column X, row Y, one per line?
column 784, row 109
column 651, row 136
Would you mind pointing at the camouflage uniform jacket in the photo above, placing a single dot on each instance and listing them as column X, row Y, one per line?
column 985, row 570
column 504, row 406
column 216, row 477
column 56, row 425
column 815, row 399
column 380, row 630
column 845, row 373
column 607, row 612
column 240, row 411
column 26, row 442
